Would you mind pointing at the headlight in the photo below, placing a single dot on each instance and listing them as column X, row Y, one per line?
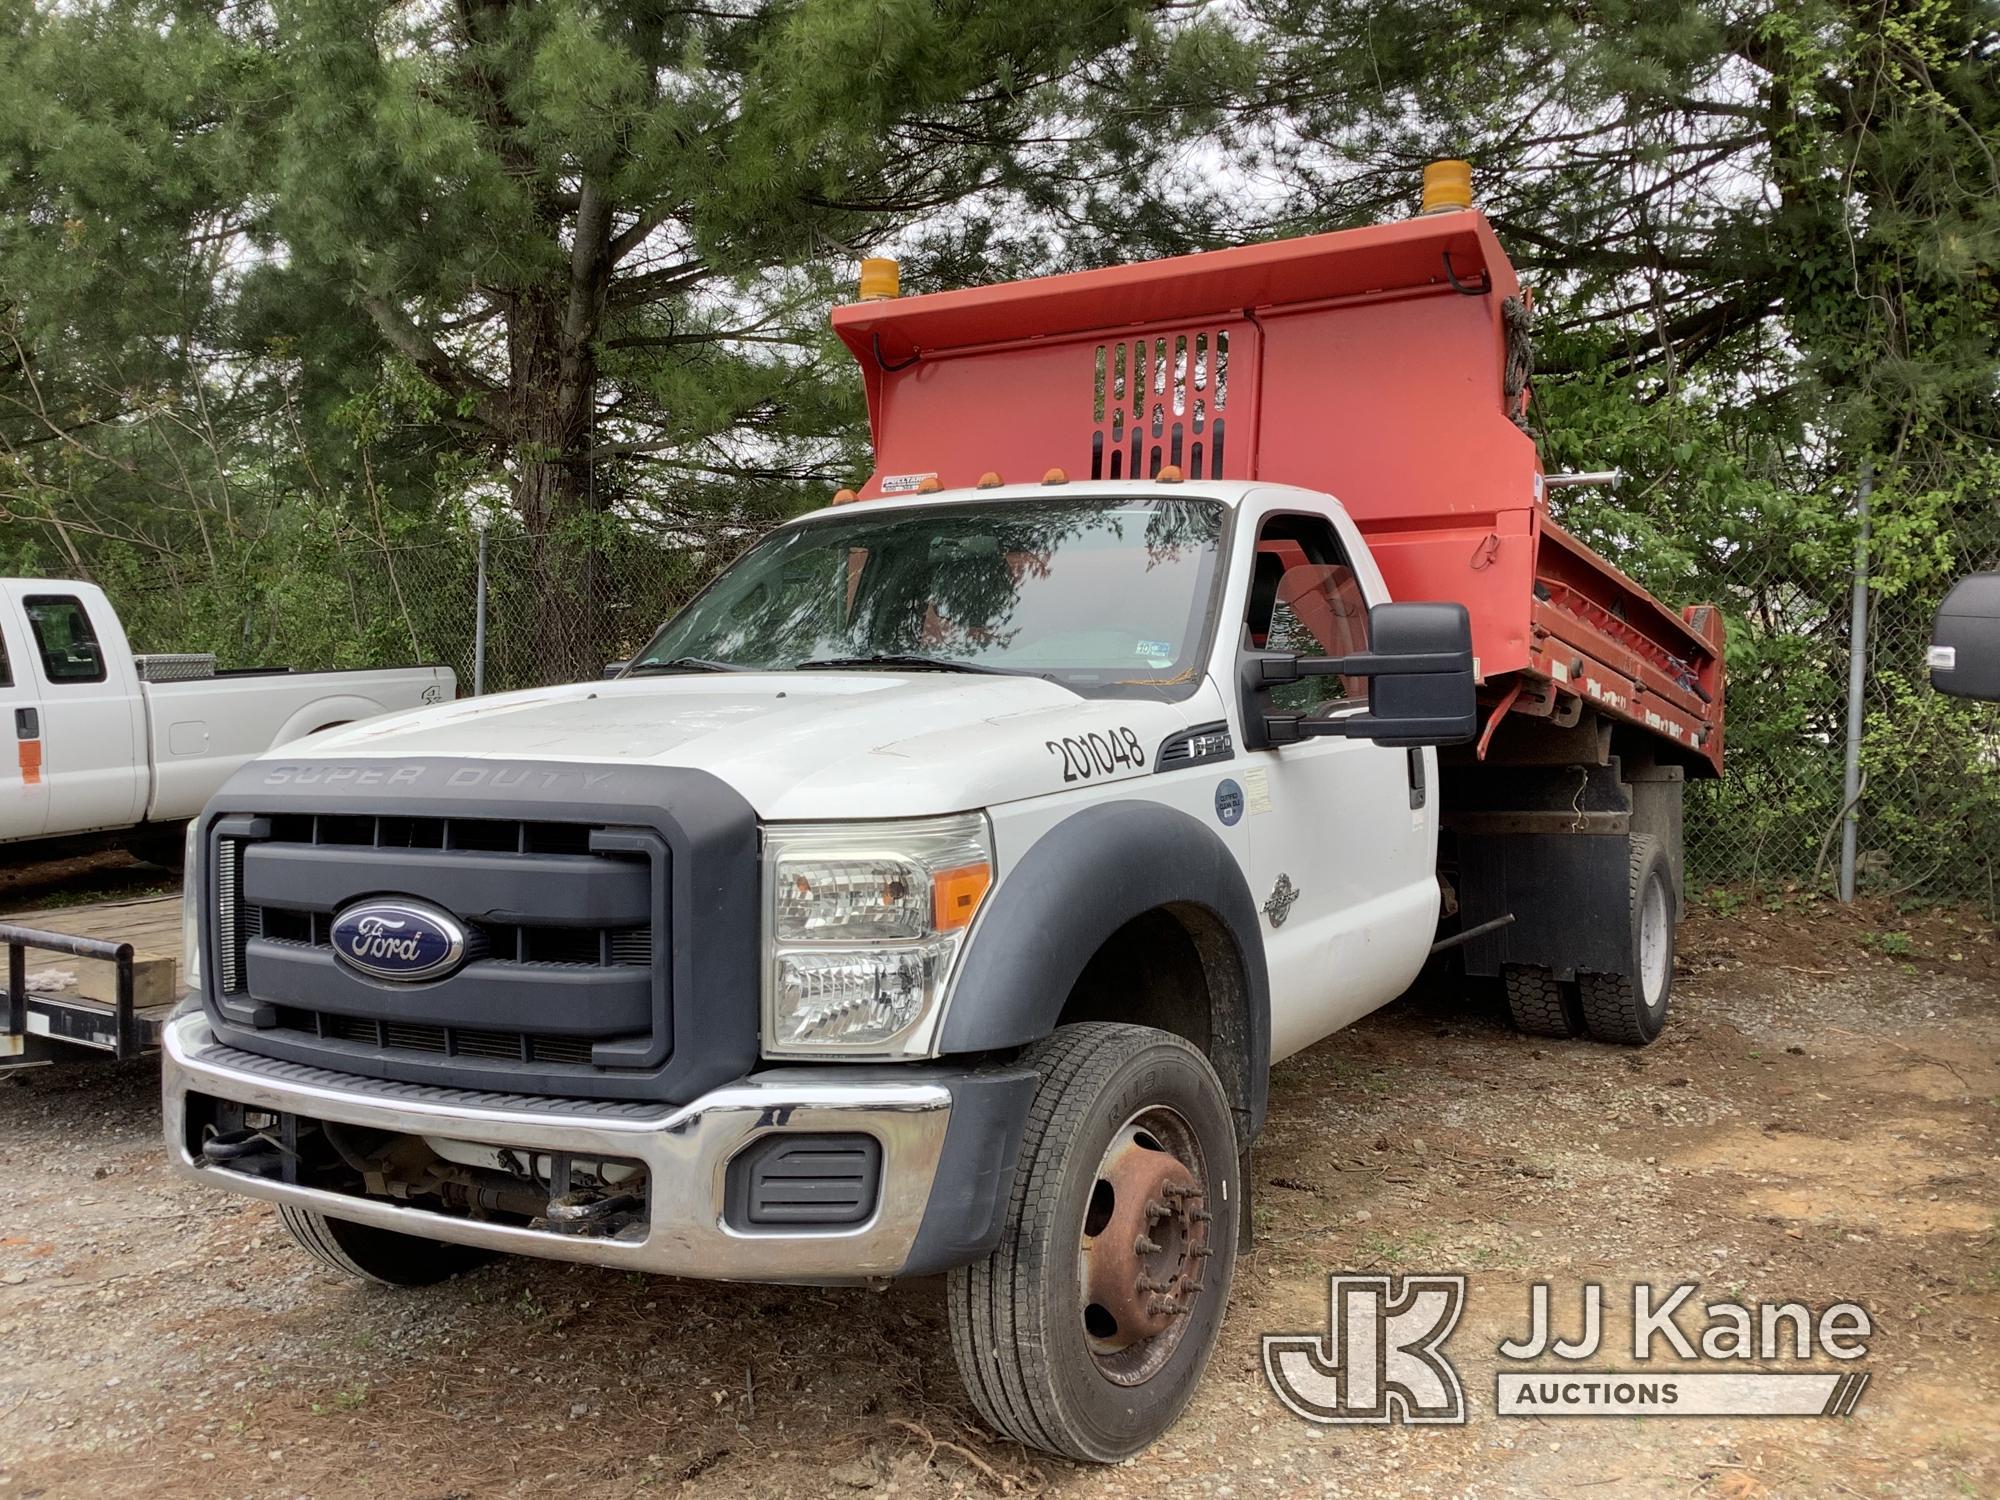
column 191, row 920
column 864, row 922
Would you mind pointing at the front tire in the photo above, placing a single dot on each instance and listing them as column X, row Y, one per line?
column 379, row 1255
column 1087, row 1329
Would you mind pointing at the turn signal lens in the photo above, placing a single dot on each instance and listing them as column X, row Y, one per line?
column 956, row 894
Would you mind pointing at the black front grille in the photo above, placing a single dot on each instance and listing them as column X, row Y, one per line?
column 567, row 942
column 515, row 942
column 611, row 911
column 441, row 1041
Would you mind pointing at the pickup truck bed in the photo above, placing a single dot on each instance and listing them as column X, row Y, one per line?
column 1294, row 362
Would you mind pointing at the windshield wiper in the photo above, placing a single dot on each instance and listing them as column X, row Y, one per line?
column 907, row 662
column 686, row 664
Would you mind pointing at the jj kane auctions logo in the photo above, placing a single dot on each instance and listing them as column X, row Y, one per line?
column 1381, row 1358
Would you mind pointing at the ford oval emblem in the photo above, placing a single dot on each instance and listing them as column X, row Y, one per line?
column 402, row 941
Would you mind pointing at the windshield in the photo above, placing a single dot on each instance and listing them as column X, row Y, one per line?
column 1105, row 594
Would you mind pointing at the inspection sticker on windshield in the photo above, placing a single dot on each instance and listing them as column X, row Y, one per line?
column 904, row 484
column 1155, row 649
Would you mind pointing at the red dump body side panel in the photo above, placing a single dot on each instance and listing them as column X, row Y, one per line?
column 1370, row 364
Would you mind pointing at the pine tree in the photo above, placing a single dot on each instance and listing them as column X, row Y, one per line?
column 598, row 240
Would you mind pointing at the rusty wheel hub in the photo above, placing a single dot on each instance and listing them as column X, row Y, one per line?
column 1145, row 1239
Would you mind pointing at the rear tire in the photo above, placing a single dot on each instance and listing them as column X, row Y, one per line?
column 1631, row 1009
column 1129, row 1126
column 1540, row 1004
column 379, row 1255
column 166, row 848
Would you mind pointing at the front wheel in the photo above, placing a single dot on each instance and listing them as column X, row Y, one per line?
column 381, row 1255
column 1087, row 1329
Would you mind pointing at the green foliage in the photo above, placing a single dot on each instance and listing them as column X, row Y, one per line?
column 343, row 272
column 1762, row 244
column 292, row 296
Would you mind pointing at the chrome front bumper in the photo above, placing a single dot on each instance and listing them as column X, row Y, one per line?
column 686, row 1151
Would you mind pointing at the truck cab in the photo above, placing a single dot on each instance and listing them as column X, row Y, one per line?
column 70, row 694
column 938, row 889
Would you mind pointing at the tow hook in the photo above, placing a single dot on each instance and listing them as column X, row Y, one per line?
column 242, row 1150
column 588, row 1212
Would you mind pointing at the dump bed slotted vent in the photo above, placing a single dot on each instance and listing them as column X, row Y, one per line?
column 1160, row 400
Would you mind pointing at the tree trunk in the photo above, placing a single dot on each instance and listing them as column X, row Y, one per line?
column 553, row 390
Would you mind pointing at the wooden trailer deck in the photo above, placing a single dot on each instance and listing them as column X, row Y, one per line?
column 72, row 1020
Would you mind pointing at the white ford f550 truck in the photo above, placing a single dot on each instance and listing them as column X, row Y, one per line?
column 935, row 893
column 112, row 748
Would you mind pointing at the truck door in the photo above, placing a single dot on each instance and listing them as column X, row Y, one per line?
column 1340, row 857
column 93, row 761
column 24, row 794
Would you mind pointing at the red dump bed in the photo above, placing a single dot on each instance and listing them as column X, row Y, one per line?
column 1371, row 364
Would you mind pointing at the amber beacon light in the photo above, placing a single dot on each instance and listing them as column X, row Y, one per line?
column 1447, row 186
column 881, row 280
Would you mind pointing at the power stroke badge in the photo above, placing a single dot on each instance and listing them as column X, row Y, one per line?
column 402, row 941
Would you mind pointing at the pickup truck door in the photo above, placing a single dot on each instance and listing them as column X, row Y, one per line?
column 1340, row 855
column 24, row 794
column 93, row 745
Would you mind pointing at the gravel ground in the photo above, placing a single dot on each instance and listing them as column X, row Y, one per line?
column 1817, row 1124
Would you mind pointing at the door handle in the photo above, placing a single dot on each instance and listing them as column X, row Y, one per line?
column 27, row 724
column 1418, row 791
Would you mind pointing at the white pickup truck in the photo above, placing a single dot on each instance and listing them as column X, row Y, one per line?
column 112, row 748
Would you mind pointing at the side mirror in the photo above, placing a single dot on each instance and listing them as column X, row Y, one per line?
column 1965, row 641
column 1420, row 692
column 614, row 669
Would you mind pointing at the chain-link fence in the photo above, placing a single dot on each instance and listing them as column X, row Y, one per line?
column 556, row 610
column 1927, row 817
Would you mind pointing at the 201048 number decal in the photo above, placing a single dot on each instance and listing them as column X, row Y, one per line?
column 1087, row 756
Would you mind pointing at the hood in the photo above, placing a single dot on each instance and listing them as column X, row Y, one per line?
column 798, row 745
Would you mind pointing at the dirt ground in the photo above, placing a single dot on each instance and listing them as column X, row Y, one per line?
column 51, row 884
column 1817, row 1124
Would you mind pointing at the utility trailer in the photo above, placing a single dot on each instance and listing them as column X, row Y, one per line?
column 937, row 890
column 1387, row 367
column 89, row 981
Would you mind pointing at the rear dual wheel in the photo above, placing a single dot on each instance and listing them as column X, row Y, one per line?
column 1632, row 1008
column 1628, row 1008
column 1087, row 1330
